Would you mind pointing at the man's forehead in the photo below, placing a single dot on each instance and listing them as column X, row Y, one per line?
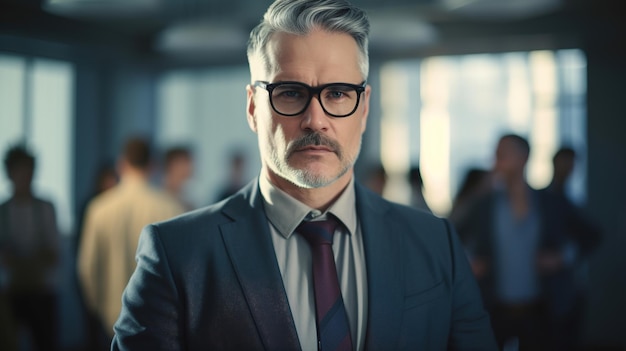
column 319, row 50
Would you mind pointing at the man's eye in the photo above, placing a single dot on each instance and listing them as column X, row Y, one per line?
column 289, row 92
column 336, row 94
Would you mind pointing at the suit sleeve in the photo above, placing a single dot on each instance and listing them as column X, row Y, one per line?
column 470, row 323
column 150, row 316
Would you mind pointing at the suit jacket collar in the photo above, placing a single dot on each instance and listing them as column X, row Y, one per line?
column 248, row 242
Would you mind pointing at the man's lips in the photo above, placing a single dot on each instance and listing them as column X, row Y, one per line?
column 316, row 148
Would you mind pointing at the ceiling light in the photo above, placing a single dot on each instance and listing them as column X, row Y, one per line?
column 202, row 37
column 395, row 31
column 501, row 9
column 103, row 9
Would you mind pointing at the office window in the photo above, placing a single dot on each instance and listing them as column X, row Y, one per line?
column 36, row 99
column 452, row 118
column 12, row 71
column 206, row 111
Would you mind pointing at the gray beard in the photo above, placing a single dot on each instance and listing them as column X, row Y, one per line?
column 304, row 178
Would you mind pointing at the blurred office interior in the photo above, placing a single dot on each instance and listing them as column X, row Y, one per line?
column 77, row 77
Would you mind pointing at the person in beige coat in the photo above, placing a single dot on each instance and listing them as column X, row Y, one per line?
column 111, row 229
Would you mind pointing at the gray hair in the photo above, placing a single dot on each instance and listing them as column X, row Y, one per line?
column 301, row 16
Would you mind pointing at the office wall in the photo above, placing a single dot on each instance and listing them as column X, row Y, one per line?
column 607, row 193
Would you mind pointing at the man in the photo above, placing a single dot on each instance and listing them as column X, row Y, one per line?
column 567, row 319
column 113, row 222
column 29, row 259
column 562, row 167
column 520, row 241
column 376, row 179
column 106, row 177
column 177, row 169
column 236, row 175
column 241, row 274
column 417, row 189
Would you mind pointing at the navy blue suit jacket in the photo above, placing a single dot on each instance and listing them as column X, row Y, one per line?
column 210, row 280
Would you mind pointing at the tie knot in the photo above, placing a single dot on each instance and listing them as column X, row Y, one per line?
column 318, row 232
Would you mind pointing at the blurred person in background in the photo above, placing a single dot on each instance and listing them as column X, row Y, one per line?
column 563, row 163
column 475, row 184
column 567, row 317
column 376, row 178
column 177, row 170
column 417, row 189
column 29, row 255
column 8, row 340
column 112, row 224
column 523, row 243
column 243, row 273
column 236, row 175
column 105, row 179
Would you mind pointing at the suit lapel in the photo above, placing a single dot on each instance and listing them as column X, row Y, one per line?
column 248, row 242
column 384, row 271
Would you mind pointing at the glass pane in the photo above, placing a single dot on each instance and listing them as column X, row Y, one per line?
column 204, row 109
column 51, row 135
column 12, row 71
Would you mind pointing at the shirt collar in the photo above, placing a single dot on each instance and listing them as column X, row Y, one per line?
column 286, row 213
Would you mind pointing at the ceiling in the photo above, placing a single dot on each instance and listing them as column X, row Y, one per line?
column 215, row 31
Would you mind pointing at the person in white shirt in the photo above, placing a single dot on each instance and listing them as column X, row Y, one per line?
column 106, row 257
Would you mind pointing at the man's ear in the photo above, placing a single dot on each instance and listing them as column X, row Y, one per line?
column 250, row 108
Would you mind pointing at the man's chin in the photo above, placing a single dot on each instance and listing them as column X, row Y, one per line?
column 316, row 184
column 310, row 179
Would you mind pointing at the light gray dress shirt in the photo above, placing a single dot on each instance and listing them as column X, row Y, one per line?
column 516, row 243
column 284, row 214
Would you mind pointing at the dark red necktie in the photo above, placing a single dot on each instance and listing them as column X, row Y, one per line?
column 333, row 330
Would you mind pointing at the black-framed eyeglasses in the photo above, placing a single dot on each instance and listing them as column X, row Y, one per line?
column 293, row 98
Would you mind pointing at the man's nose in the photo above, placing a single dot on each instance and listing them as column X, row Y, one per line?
column 314, row 117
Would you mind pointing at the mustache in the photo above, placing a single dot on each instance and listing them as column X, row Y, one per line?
column 314, row 139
